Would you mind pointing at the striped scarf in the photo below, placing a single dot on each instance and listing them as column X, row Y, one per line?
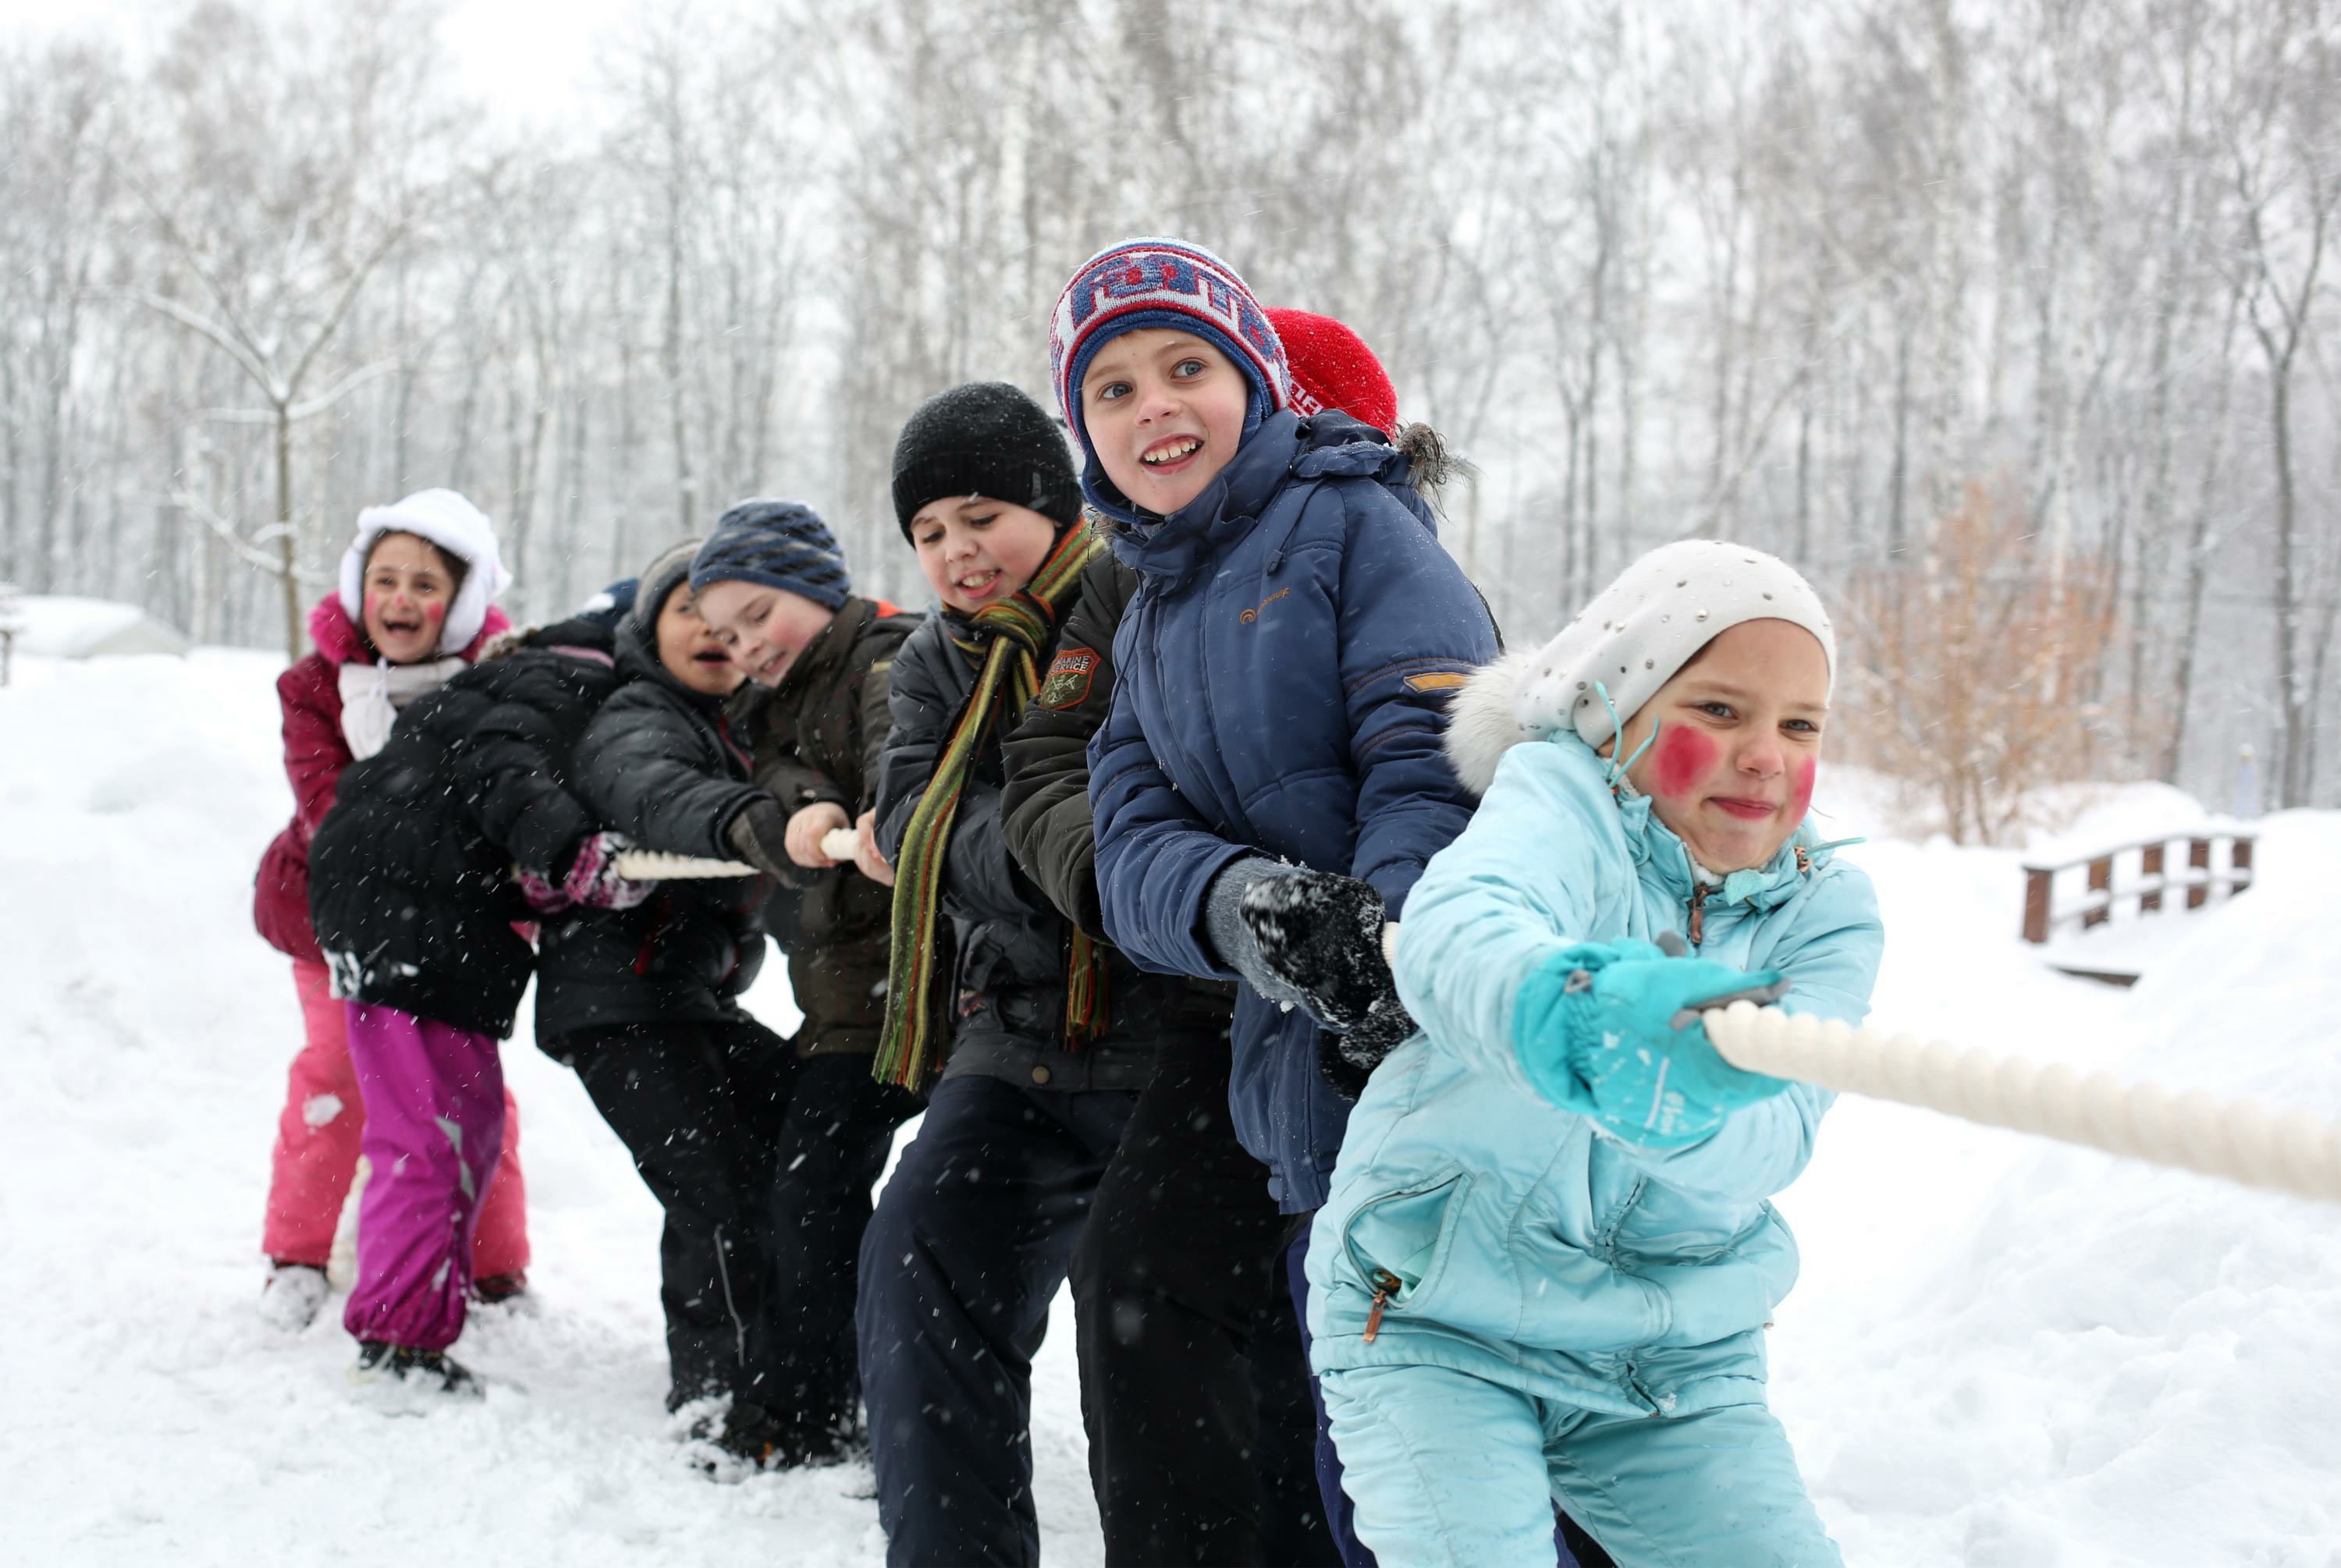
column 1011, row 637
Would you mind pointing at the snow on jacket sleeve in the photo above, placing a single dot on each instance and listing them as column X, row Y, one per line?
column 647, row 771
column 1411, row 629
column 315, row 751
column 979, row 882
column 1525, row 879
column 1829, row 954
column 508, row 764
column 1156, row 856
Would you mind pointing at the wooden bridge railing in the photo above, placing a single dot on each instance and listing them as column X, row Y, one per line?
column 2199, row 878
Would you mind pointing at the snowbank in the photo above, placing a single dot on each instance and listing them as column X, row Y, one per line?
column 1999, row 1354
column 61, row 626
column 2078, row 1359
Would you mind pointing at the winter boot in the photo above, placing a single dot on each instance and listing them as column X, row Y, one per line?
column 291, row 1297
column 429, row 1371
column 505, row 1290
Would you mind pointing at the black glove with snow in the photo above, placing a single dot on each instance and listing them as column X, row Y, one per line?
column 1321, row 935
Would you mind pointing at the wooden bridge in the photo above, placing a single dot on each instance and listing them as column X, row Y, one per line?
column 2218, row 862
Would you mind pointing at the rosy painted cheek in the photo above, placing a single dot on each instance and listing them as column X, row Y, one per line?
column 1683, row 759
column 434, row 613
column 1801, row 796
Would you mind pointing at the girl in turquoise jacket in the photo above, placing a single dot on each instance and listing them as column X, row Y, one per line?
column 1548, row 1258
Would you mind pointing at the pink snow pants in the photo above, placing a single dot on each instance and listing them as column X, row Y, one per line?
column 317, row 1153
column 434, row 1098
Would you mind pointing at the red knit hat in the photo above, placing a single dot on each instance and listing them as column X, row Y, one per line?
column 1332, row 368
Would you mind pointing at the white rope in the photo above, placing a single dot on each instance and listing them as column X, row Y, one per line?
column 659, row 866
column 2291, row 1151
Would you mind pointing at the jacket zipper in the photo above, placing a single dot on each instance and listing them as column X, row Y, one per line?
column 1697, row 914
column 1385, row 1284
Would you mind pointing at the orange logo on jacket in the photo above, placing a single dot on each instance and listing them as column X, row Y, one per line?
column 1248, row 616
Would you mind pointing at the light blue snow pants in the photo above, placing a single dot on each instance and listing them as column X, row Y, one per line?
column 1446, row 1468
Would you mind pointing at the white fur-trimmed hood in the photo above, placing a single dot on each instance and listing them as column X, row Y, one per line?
column 1483, row 722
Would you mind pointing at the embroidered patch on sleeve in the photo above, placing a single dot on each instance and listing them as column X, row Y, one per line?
column 1441, row 680
column 1070, row 674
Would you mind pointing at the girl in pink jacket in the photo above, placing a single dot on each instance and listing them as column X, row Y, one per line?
column 413, row 607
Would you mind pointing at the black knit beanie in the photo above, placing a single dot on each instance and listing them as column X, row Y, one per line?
column 986, row 439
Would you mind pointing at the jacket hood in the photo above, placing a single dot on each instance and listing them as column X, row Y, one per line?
column 455, row 525
column 1286, row 446
column 337, row 636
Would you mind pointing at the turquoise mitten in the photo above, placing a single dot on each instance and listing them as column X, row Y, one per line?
column 1610, row 1030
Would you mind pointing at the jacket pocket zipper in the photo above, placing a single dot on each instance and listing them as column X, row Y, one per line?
column 1385, row 1284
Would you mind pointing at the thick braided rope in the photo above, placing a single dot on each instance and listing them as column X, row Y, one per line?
column 2290, row 1151
column 659, row 866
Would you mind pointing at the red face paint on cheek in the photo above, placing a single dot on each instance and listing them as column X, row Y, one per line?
column 1801, row 796
column 1683, row 758
column 434, row 613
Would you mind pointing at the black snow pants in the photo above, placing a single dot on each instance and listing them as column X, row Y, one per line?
column 1195, row 1382
column 972, row 1237
column 763, row 1163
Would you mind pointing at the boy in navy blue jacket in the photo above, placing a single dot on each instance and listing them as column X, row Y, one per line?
column 1272, row 763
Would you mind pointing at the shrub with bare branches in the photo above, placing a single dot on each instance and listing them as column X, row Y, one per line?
column 1970, row 667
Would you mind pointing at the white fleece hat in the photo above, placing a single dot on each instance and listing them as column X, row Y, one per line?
column 1644, row 627
column 456, row 526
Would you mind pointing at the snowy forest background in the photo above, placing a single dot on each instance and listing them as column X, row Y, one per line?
column 2015, row 323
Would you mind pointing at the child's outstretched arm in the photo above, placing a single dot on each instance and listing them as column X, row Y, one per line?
column 979, row 882
column 1829, row 959
column 1156, row 858
column 315, row 750
column 645, row 770
column 1045, row 803
column 1413, row 628
column 1522, row 883
column 506, row 774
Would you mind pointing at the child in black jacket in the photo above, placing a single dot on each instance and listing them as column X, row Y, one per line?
column 758, row 1158
column 416, row 907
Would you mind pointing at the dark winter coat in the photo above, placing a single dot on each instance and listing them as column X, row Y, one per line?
column 662, row 765
column 1045, row 814
column 1007, row 995
column 1284, row 670
column 412, row 889
column 316, row 752
column 819, row 736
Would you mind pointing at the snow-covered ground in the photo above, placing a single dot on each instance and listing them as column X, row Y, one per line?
column 2001, row 1353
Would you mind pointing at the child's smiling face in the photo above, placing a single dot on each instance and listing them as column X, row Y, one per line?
column 408, row 587
column 761, row 628
column 1740, row 742
column 690, row 650
column 1165, row 411
column 975, row 551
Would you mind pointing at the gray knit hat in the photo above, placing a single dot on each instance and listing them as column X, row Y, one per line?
column 665, row 573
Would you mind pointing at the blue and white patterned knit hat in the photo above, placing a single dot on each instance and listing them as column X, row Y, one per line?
column 1167, row 284
column 781, row 544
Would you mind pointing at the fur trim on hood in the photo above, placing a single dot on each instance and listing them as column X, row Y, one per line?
column 1483, row 722
column 1434, row 464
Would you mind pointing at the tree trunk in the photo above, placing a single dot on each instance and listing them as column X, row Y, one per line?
column 287, row 545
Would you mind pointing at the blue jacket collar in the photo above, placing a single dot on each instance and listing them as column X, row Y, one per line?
column 1285, row 446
